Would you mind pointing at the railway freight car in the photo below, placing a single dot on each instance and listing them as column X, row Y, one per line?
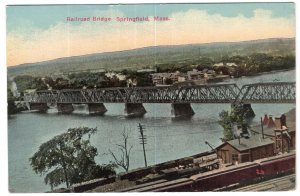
column 205, row 181
column 241, row 173
column 277, row 165
column 237, row 175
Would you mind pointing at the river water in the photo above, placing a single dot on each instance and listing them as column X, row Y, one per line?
column 167, row 138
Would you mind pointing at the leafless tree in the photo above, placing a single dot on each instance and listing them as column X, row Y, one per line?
column 123, row 161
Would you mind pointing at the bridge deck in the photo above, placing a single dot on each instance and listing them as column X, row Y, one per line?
column 279, row 92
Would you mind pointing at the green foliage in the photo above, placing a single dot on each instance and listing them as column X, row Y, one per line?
column 11, row 107
column 226, row 122
column 81, row 80
column 87, row 79
column 24, row 82
column 237, row 116
column 69, row 158
column 204, row 63
column 255, row 63
column 61, row 83
column 143, row 79
column 39, row 84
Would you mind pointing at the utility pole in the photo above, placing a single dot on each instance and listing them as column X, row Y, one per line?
column 143, row 141
column 262, row 128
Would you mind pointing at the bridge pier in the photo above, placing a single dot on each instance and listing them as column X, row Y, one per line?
column 134, row 110
column 182, row 110
column 42, row 107
column 65, row 108
column 247, row 109
column 97, row 108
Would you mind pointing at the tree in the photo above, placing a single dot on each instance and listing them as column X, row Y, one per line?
column 11, row 107
column 24, row 82
column 39, row 84
column 69, row 158
column 237, row 116
column 125, row 153
column 204, row 63
column 61, row 83
column 225, row 122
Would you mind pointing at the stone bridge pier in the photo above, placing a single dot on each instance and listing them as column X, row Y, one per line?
column 182, row 110
column 246, row 108
column 134, row 110
column 65, row 108
column 42, row 107
column 97, row 108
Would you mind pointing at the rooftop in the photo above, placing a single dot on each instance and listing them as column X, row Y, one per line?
column 250, row 143
column 290, row 122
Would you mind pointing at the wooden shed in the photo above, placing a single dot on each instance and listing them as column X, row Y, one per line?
column 243, row 150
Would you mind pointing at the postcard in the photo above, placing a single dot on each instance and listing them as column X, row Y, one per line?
column 151, row 97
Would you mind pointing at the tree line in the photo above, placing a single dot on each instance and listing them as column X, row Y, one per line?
column 245, row 65
column 81, row 80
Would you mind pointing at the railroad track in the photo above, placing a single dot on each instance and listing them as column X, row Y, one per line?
column 284, row 183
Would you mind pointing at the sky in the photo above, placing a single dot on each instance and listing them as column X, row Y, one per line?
column 41, row 32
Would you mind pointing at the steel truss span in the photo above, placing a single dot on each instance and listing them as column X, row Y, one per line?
column 279, row 92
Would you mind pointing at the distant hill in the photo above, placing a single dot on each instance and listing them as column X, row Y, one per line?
column 154, row 56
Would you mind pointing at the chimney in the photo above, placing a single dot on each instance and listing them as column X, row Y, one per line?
column 239, row 139
column 277, row 123
column 271, row 122
column 283, row 120
column 266, row 120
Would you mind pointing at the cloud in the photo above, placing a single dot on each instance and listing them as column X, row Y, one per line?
column 28, row 44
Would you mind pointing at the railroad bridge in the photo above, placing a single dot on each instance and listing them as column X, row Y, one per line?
column 180, row 97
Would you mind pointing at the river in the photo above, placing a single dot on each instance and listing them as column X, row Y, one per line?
column 167, row 138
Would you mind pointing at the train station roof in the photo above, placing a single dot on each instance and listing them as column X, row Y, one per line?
column 250, row 143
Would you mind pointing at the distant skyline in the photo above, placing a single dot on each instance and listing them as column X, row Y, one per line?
column 40, row 33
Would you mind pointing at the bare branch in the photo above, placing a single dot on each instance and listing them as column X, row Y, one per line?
column 123, row 161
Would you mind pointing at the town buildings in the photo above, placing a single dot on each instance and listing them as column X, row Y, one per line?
column 195, row 76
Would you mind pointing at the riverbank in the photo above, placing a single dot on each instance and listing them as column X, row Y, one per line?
column 270, row 72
